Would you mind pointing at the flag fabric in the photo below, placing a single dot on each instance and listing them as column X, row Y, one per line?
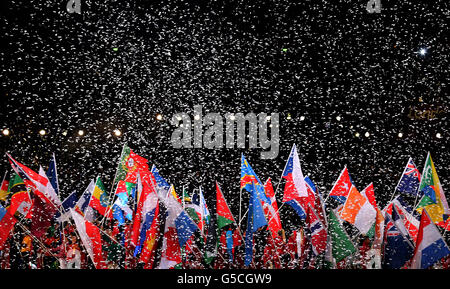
column 160, row 181
column 398, row 249
column 82, row 206
column 91, row 238
column 52, row 174
column 189, row 207
column 7, row 222
column 430, row 247
column 342, row 186
column 358, row 211
column 129, row 165
column 271, row 210
column 250, row 181
column 198, row 200
column 20, row 201
column 184, row 226
column 120, row 207
column 410, row 222
column 38, row 183
column 42, row 214
column 369, row 193
column 255, row 220
column 295, row 182
column 436, row 204
column 317, row 231
column 340, row 242
column 99, row 200
column 145, row 212
column 174, row 194
column 149, row 247
column 4, row 192
column 69, row 203
column 410, row 179
column 224, row 215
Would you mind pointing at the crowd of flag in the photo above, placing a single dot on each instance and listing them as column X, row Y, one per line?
column 163, row 229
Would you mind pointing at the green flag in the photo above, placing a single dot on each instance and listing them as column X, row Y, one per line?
column 341, row 244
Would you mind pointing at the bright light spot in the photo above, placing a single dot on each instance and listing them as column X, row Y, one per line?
column 159, row 116
column 400, row 135
column 302, row 118
column 81, row 132
column 5, row 132
column 438, row 135
column 117, row 132
column 338, row 118
column 232, row 117
column 423, row 51
column 64, row 133
column 357, row 134
column 268, row 117
column 367, row 134
column 288, row 116
column 196, row 117
column 42, row 132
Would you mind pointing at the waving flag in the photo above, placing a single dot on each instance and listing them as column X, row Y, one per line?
column 69, row 203
column 341, row 244
column 7, row 222
column 82, row 206
column 430, row 247
column 317, row 230
column 369, row 193
column 398, row 248
column 358, row 211
column 121, row 209
column 342, row 186
column 145, row 212
column 224, row 215
column 129, row 165
column 198, row 200
column 409, row 182
column 251, row 182
column 295, row 182
column 20, row 198
column 99, row 200
column 160, row 181
column 91, row 239
column 255, row 220
column 271, row 210
column 436, row 204
column 39, row 183
column 149, row 247
column 410, row 222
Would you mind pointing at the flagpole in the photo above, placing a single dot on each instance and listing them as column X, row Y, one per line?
column 420, row 183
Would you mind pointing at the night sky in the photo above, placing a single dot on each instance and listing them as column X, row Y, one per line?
column 118, row 64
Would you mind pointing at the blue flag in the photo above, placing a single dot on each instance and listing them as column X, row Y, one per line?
column 67, row 204
column 255, row 220
column 410, row 180
column 52, row 174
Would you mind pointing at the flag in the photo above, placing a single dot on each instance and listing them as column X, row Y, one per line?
column 398, row 249
column 295, row 182
column 160, row 181
column 224, row 215
column 342, row 186
column 120, row 207
column 20, row 198
column 255, row 220
column 409, row 182
column 250, row 181
column 315, row 200
column 129, row 165
column 410, row 222
column 7, row 222
column 369, row 193
column 271, row 210
column 52, row 174
column 198, row 200
column 69, row 203
column 149, row 247
column 174, row 194
column 82, row 206
column 38, row 183
column 42, row 214
column 4, row 192
column 317, row 231
column 145, row 212
column 430, row 247
column 99, row 200
column 341, row 245
column 436, row 204
column 91, row 239
column 358, row 211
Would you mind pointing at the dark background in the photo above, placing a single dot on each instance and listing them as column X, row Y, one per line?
column 120, row 63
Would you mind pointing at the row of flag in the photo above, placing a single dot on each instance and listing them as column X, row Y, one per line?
column 400, row 236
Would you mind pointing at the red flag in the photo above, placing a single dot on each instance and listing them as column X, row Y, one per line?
column 318, row 232
column 41, row 217
column 7, row 222
column 135, row 163
column 369, row 192
column 271, row 210
column 149, row 247
column 342, row 186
